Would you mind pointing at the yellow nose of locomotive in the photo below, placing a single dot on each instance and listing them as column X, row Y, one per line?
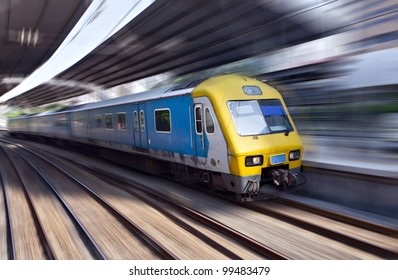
column 263, row 143
column 253, row 154
column 257, row 126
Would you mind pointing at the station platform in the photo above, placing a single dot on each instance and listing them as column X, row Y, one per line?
column 351, row 155
column 361, row 176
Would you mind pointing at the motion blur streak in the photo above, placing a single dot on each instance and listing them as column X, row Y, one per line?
column 341, row 89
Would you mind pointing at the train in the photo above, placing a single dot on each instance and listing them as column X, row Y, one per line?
column 231, row 132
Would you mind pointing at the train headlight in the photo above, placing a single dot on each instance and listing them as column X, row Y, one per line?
column 254, row 160
column 294, row 155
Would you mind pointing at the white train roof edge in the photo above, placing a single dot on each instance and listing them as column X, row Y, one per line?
column 158, row 93
column 134, row 98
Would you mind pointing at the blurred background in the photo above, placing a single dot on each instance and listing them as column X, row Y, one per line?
column 335, row 62
column 340, row 84
column 341, row 89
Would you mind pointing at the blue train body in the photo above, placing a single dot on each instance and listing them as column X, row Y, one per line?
column 134, row 127
column 198, row 129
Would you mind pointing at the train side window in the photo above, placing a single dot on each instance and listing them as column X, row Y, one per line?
column 209, row 122
column 198, row 119
column 142, row 120
column 78, row 122
column 121, row 121
column 135, row 121
column 109, row 121
column 162, row 120
column 82, row 122
column 98, row 121
column 61, row 122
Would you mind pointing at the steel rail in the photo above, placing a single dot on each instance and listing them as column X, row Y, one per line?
column 328, row 232
column 131, row 226
column 49, row 251
column 93, row 248
column 228, row 231
column 341, row 217
column 9, row 235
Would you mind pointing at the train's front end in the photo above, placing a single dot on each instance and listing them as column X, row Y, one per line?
column 264, row 148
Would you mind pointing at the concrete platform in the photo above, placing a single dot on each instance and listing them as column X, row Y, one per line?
column 360, row 178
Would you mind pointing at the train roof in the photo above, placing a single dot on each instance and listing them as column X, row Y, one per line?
column 176, row 90
column 138, row 97
column 164, row 92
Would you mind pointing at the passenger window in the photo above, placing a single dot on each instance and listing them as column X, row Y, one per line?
column 209, row 122
column 198, row 120
column 61, row 122
column 135, row 121
column 121, row 121
column 142, row 120
column 78, row 122
column 98, row 121
column 108, row 121
column 162, row 120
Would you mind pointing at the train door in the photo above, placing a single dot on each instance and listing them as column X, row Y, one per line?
column 199, row 135
column 136, row 126
column 90, row 126
column 143, row 126
column 140, row 129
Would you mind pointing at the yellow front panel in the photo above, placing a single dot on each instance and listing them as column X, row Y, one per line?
column 238, row 167
column 226, row 88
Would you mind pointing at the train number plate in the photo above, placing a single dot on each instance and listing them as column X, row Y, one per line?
column 278, row 159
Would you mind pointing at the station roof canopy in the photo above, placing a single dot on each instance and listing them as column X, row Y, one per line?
column 30, row 32
column 182, row 36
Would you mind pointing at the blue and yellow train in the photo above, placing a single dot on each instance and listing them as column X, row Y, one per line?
column 231, row 132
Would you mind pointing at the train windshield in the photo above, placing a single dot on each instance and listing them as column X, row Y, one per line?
column 254, row 117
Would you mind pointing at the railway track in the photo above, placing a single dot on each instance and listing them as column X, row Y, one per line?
column 230, row 236
column 158, row 201
column 24, row 236
column 363, row 235
column 4, row 232
column 345, row 218
column 54, row 171
column 69, row 221
column 373, row 238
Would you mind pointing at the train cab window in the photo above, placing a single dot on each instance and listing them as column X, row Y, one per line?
column 248, row 117
column 162, row 120
column 135, row 121
column 265, row 116
column 142, row 120
column 109, row 121
column 98, row 121
column 275, row 115
column 198, row 119
column 209, row 122
column 121, row 121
